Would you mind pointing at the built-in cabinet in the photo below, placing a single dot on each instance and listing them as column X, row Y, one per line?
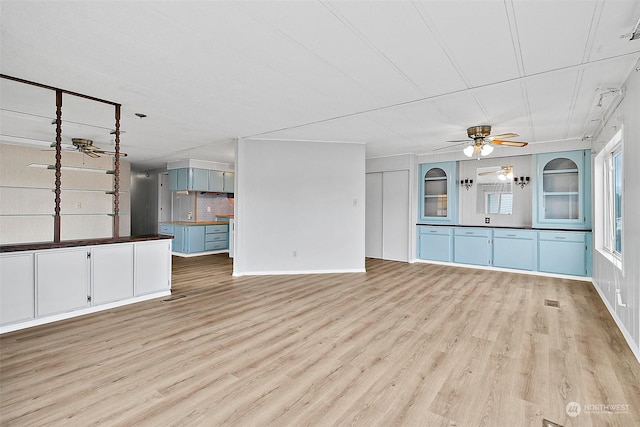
column 559, row 252
column 438, row 193
column 196, row 179
column 562, row 191
column 197, row 238
column 38, row 284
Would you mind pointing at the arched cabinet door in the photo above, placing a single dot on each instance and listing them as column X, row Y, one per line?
column 438, row 193
column 563, row 190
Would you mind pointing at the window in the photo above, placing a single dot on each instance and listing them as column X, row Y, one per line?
column 499, row 203
column 613, row 196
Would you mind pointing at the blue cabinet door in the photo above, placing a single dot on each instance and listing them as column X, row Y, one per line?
column 229, row 182
column 216, row 181
column 199, row 179
column 435, row 243
column 472, row 246
column 173, row 179
column 194, row 241
column 562, row 190
column 182, row 179
column 438, row 193
column 564, row 252
column 516, row 249
column 177, row 245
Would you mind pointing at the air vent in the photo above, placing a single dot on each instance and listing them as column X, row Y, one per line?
column 173, row 298
column 551, row 303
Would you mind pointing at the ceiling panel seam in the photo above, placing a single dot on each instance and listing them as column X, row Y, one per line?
column 344, row 21
column 593, row 29
column 438, row 38
column 515, row 36
column 574, row 99
column 527, row 108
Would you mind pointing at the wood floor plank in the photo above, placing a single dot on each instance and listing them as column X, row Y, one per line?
column 402, row 344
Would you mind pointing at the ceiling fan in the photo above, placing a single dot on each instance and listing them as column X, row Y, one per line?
column 483, row 141
column 503, row 172
column 86, row 146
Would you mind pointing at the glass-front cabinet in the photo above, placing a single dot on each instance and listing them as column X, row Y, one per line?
column 562, row 197
column 438, row 193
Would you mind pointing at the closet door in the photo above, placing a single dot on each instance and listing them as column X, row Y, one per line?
column 395, row 215
column 373, row 215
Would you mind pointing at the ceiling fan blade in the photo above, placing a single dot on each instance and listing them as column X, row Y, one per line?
column 460, row 140
column 503, row 136
column 91, row 154
column 489, row 173
column 510, row 143
column 109, row 153
column 448, row 147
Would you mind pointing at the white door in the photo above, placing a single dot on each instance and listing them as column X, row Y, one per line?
column 373, row 216
column 395, row 215
column 165, row 199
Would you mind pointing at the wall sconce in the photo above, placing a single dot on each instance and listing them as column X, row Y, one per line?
column 466, row 183
column 524, row 180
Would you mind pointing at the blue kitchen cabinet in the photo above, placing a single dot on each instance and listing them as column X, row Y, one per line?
column 178, row 179
column 188, row 239
column 435, row 243
column 564, row 252
column 216, row 237
column 166, row 229
column 216, row 181
column 198, row 179
column 472, row 245
column 513, row 248
column 229, row 182
column 438, row 198
column 562, row 190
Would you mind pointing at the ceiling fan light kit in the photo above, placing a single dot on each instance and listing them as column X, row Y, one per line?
column 483, row 142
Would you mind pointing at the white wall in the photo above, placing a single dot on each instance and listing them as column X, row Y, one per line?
column 300, row 197
column 606, row 276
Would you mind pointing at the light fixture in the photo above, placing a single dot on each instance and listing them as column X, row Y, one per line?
column 469, row 150
column 466, row 183
column 485, row 150
column 524, row 180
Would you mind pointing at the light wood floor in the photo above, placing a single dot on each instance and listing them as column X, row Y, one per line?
column 399, row 345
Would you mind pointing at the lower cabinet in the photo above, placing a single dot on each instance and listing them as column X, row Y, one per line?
column 515, row 249
column 50, row 282
column 565, row 252
column 191, row 239
column 62, row 281
column 559, row 252
column 435, row 243
column 17, row 290
column 111, row 273
column 472, row 246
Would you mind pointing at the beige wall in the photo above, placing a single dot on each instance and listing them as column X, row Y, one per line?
column 27, row 198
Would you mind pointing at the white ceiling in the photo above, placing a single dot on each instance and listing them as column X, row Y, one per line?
column 400, row 76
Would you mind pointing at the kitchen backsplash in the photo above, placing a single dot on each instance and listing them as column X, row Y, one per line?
column 217, row 204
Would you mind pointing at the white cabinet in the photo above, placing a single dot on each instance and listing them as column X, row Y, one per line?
column 111, row 273
column 62, row 281
column 153, row 267
column 17, row 293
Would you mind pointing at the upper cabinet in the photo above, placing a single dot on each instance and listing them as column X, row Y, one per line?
column 562, row 191
column 438, row 202
column 196, row 179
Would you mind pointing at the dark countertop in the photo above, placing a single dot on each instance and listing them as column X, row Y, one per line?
column 74, row 243
column 196, row 223
column 505, row 226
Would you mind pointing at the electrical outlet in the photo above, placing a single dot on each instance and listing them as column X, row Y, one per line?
column 78, row 205
column 487, row 220
column 208, row 208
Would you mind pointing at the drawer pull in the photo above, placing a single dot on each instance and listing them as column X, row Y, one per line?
column 433, row 231
column 560, row 237
column 469, row 232
column 511, row 235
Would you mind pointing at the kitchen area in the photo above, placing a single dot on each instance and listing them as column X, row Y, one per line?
column 198, row 202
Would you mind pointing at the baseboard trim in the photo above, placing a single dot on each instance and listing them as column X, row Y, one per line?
column 279, row 273
column 506, row 270
column 71, row 314
column 627, row 336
